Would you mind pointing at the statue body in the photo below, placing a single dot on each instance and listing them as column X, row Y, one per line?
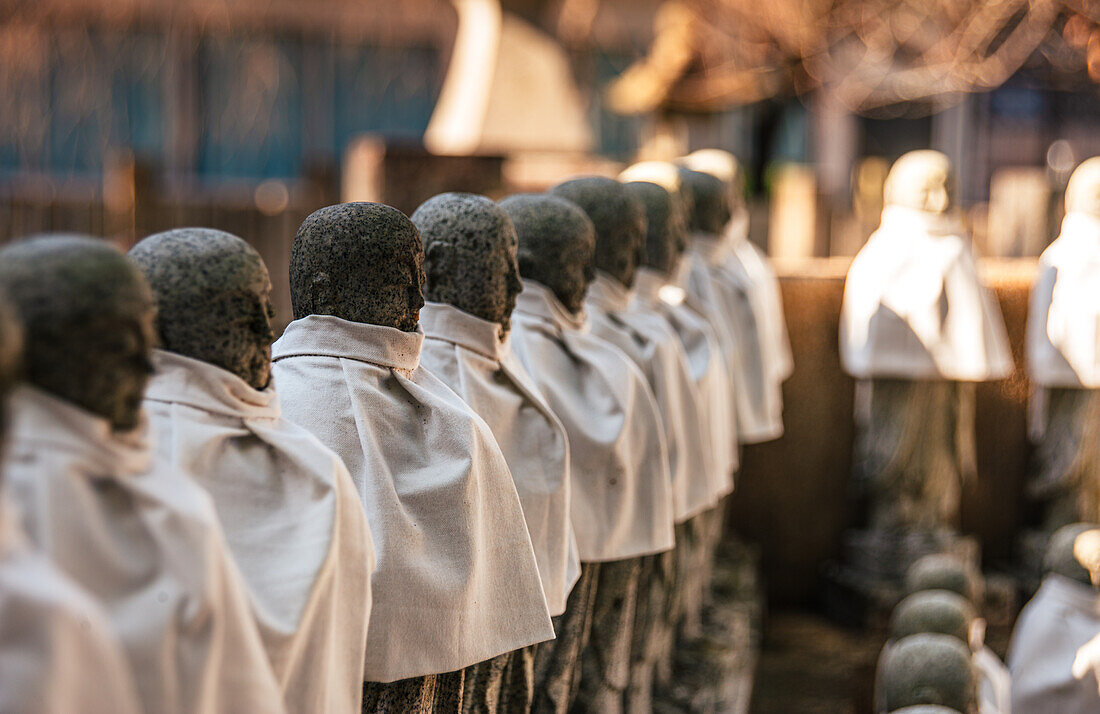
column 1063, row 361
column 289, row 509
column 622, row 499
column 349, row 370
column 472, row 280
column 46, row 619
column 143, row 539
column 918, row 329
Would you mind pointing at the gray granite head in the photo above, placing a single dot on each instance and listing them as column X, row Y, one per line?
column 88, row 318
column 926, row 709
column 928, row 669
column 213, row 298
column 939, row 611
column 619, row 220
column 361, row 262
column 665, row 238
column 469, row 255
column 556, row 243
column 11, row 351
column 940, row 571
column 1074, row 552
column 710, row 210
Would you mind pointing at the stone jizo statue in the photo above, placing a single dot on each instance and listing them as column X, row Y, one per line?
column 289, row 508
column 622, row 500
column 471, row 288
column 918, row 329
column 1064, row 362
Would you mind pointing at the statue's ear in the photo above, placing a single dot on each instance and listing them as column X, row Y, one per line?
column 320, row 294
column 438, row 259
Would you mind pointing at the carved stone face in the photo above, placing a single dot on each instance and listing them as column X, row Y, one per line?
column 929, row 669
column 665, row 235
column 361, row 262
column 1074, row 552
column 88, row 317
column 619, row 220
column 710, row 209
column 922, row 180
column 11, row 349
column 1083, row 190
column 469, row 255
column 556, row 244
column 213, row 298
column 937, row 611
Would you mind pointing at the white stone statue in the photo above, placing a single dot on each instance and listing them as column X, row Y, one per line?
column 918, row 329
column 1064, row 360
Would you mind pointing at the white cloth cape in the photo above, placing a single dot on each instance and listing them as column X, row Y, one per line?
column 145, row 541
column 57, row 653
column 718, row 293
column 1063, row 616
column 914, row 309
column 456, row 581
column 468, row 354
column 1063, row 326
column 749, row 301
column 621, row 501
column 650, row 341
column 653, row 293
column 291, row 517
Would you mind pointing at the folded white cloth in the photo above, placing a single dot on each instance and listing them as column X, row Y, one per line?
column 621, row 501
column 733, row 279
column 57, row 653
column 1060, row 620
column 1063, row 326
column 456, row 581
column 654, row 346
column 914, row 309
column 471, row 358
column 292, row 519
column 144, row 540
column 654, row 293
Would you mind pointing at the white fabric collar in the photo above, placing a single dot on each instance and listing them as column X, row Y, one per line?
column 88, row 438
column 539, row 302
column 184, row 380
column 329, row 336
column 445, row 322
column 608, row 294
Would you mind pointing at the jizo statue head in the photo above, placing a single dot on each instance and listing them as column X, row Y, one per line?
column 619, row 220
column 469, row 255
column 361, row 262
column 556, row 244
column 88, row 318
column 921, row 180
column 940, row 571
column 936, row 611
column 723, row 166
column 1074, row 553
column 665, row 234
column 11, row 352
column 213, row 298
column 710, row 210
column 929, row 669
column 1083, row 190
